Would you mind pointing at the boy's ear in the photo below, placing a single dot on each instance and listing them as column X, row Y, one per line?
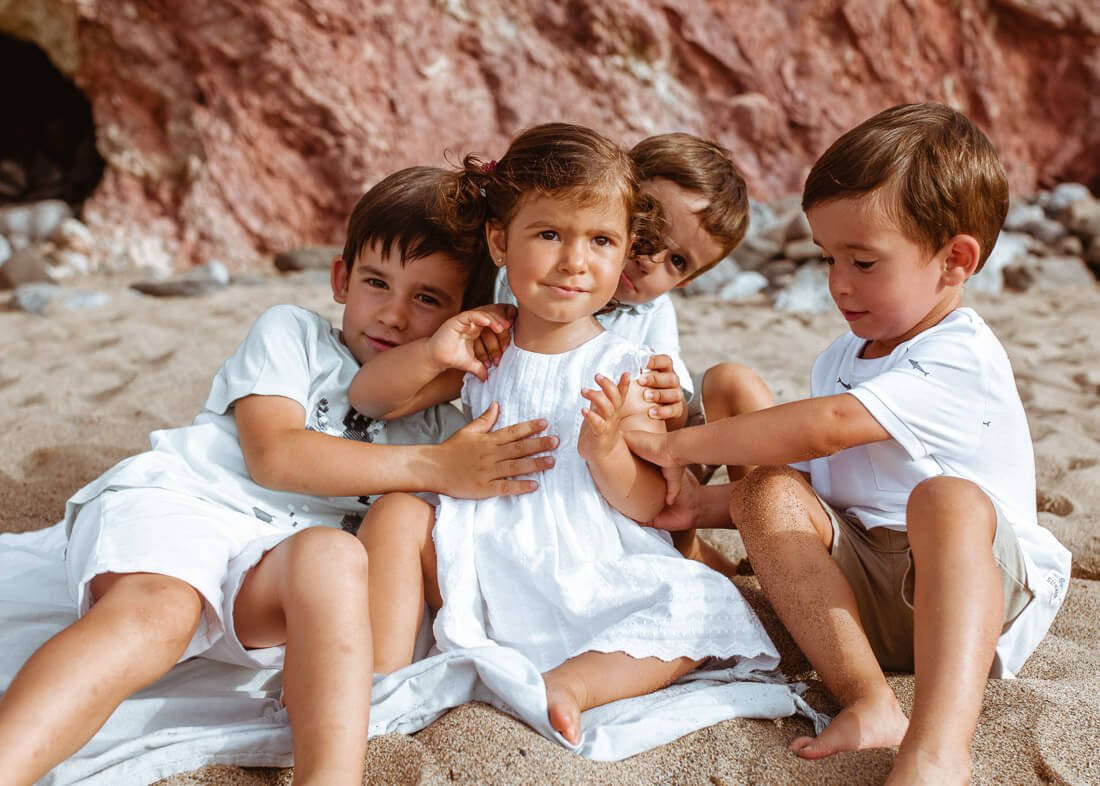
column 339, row 278
column 962, row 255
column 497, row 239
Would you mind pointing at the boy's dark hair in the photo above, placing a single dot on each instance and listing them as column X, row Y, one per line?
column 701, row 166
column 552, row 159
column 401, row 210
column 931, row 169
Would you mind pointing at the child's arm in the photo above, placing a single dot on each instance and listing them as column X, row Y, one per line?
column 474, row 463
column 428, row 371
column 633, row 487
column 782, row 434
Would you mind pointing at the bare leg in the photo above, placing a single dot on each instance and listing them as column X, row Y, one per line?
column 958, row 608
column 134, row 633
column 595, row 678
column 728, row 389
column 310, row 592
column 787, row 535
column 397, row 533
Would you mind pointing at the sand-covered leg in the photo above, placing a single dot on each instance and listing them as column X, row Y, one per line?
column 958, row 610
column 787, row 534
column 136, row 630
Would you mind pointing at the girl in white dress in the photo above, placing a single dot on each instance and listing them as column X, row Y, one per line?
column 606, row 609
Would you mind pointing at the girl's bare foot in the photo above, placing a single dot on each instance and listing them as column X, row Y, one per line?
column 563, row 706
column 921, row 768
column 868, row 723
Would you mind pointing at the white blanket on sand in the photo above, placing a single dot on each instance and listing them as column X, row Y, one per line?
column 205, row 712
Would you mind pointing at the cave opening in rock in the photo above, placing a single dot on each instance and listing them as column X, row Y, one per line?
column 47, row 138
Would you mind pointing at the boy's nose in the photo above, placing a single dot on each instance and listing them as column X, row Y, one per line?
column 394, row 315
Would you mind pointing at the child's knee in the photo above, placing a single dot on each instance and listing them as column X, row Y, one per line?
column 943, row 509
column 151, row 609
column 731, row 389
column 325, row 555
column 397, row 515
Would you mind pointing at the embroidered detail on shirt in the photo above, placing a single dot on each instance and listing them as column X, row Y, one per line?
column 986, row 423
column 361, row 428
column 320, row 415
column 263, row 515
column 1057, row 584
column 843, row 384
column 916, row 365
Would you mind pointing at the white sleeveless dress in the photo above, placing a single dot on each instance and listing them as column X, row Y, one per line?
column 559, row 572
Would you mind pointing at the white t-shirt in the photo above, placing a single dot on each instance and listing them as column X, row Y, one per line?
column 651, row 324
column 289, row 352
column 948, row 399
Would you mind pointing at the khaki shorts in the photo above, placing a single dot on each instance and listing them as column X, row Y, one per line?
column 879, row 567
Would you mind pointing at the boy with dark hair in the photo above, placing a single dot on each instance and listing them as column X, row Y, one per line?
column 224, row 540
column 905, row 535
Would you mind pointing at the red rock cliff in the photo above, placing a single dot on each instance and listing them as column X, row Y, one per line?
column 235, row 128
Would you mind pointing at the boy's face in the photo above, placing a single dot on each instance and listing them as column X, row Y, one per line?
column 387, row 303
column 888, row 287
column 690, row 247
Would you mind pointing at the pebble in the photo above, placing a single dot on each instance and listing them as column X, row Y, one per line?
column 202, row 280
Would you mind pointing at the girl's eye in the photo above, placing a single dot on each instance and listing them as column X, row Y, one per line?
column 678, row 262
column 602, row 240
column 863, row 265
column 548, row 234
column 376, row 283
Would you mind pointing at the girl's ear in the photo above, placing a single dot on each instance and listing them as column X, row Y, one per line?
column 963, row 253
column 497, row 239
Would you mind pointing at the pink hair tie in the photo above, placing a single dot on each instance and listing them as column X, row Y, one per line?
column 489, row 167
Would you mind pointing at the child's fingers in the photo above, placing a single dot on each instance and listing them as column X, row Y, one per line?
column 659, row 379
column 624, row 385
column 659, row 363
column 674, row 481
column 667, row 412
column 610, row 389
column 599, row 402
column 663, row 395
column 594, row 420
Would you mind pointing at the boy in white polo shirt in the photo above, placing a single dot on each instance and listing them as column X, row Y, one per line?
column 905, row 537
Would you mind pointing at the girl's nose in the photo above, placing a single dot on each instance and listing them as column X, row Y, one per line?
column 573, row 259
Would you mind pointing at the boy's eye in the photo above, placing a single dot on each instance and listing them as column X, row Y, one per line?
column 428, row 300
column 377, row 283
column 548, row 234
column 678, row 262
column 863, row 265
column 602, row 240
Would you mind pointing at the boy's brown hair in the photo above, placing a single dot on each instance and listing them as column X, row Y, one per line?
column 701, row 166
column 931, row 169
column 401, row 210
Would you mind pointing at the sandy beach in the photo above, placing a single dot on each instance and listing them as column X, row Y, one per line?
column 80, row 390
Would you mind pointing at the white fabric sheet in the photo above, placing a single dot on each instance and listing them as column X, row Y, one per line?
column 204, row 712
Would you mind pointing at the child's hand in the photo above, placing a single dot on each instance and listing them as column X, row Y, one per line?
column 477, row 463
column 455, row 343
column 663, row 389
column 680, row 513
column 600, row 430
column 490, row 345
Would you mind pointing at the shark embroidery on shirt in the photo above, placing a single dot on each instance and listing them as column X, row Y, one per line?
column 843, row 384
column 916, row 365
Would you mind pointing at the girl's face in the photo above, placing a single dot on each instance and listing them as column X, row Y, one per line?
column 563, row 259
